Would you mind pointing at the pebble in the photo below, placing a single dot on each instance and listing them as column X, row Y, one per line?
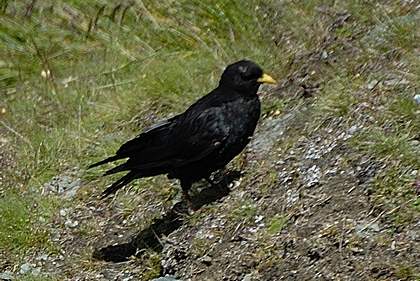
column 247, row 277
column 166, row 278
column 63, row 213
column 66, row 185
column 7, row 276
column 417, row 99
column 71, row 224
column 42, row 257
column 371, row 84
column 375, row 227
column 36, row 271
column 24, row 268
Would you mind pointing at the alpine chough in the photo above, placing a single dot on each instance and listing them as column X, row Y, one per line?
column 203, row 139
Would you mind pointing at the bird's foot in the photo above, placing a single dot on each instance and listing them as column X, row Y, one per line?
column 191, row 211
column 190, row 207
column 210, row 181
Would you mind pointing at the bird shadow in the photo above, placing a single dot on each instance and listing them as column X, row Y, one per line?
column 149, row 238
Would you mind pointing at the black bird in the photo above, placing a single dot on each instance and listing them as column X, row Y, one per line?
column 203, row 139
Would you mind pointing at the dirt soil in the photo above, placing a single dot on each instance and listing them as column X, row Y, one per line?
column 331, row 231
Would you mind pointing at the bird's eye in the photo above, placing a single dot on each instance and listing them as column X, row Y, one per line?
column 245, row 74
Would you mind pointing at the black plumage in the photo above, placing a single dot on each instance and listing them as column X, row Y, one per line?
column 203, row 139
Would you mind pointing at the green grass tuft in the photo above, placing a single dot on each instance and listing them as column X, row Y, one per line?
column 25, row 220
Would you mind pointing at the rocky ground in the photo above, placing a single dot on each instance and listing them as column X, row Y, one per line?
column 301, row 210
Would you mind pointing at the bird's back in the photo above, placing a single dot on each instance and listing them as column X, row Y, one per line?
column 229, row 114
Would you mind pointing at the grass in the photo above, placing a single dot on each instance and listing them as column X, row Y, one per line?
column 25, row 223
column 78, row 78
column 277, row 223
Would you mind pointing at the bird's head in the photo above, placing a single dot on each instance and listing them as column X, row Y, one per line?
column 244, row 75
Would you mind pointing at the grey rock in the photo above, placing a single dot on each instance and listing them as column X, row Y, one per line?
column 166, row 278
column 247, row 277
column 371, row 84
column 375, row 227
column 65, row 184
column 7, row 276
column 71, row 223
column 268, row 135
column 36, row 271
column 24, row 268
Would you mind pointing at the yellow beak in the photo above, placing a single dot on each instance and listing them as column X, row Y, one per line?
column 266, row 79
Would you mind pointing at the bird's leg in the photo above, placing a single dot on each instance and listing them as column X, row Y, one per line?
column 185, row 187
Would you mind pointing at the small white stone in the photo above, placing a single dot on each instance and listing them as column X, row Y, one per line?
column 417, row 98
column 71, row 224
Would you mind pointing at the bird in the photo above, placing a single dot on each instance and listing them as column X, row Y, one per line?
column 205, row 138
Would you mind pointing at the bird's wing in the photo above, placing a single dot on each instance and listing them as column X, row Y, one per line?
column 131, row 147
column 186, row 138
column 173, row 143
column 201, row 134
column 147, row 138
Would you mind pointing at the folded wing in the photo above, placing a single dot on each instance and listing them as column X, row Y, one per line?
column 169, row 145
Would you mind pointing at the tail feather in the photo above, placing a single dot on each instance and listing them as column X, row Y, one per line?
column 120, row 183
column 117, row 169
column 143, row 170
column 107, row 160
